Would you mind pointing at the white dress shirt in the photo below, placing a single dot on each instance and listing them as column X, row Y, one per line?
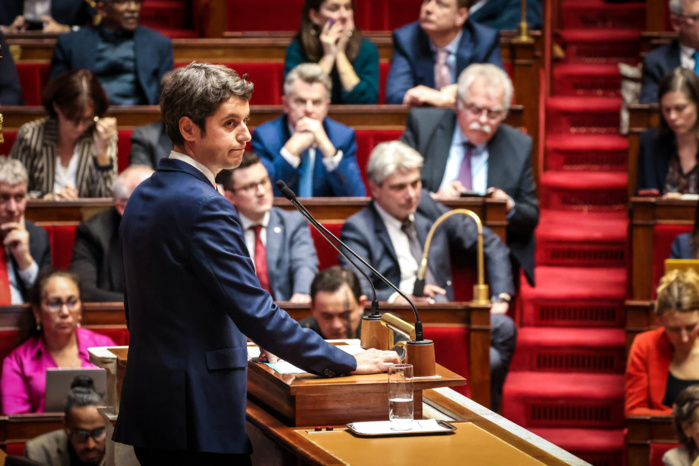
column 250, row 232
column 66, row 176
column 190, row 161
column 479, row 163
column 401, row 245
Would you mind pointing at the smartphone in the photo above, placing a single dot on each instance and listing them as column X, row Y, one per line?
column 470, row 194
column 34, row 24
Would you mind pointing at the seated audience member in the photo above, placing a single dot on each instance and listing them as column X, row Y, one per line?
column 72, row 153
column 667, row 157
column 279, row 242
column 27, row 249
column 97, row 254
column 505, row 15
column 337, row 304
column 10, row 89
column 83, row 439
column 328, row 36
column 664, row 361
column 469, row 149
column 390, row 234
column 681, row 52
column 150, row 143
column 429, row 54
column 52, row 16
column 313, row 154
column 129, row 60
column 685, row 418
column 52, row 338
column 686, row 245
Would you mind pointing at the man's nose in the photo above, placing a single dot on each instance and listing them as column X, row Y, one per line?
column 244, row 135
column 11, row 205
column 309, row 107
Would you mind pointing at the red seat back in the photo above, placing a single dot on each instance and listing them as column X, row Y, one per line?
column 120, row 336
column 367, row 139
column 657, row 450
column 33, row 77
column 451, row 351
column 123, row 149
column 327, row 255
column 9, row 137
column 663, row 236
column 62, row 240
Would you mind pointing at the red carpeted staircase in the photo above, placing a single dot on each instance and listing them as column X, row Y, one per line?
column 566, row 381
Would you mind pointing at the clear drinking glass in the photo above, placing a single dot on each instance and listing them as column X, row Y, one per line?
column 400, row 396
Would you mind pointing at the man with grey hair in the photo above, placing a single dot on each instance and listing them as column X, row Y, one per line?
column 314, row 155
column 26, row 246
column 97, row 254
column 469, row 150
column 390, row 234
column 684, row 51
column 192, row 296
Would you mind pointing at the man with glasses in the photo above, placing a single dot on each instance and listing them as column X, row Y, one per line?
column 684, row 51
column 83, row 439
column 129, row 60
column 279, row 241
column 469, row 150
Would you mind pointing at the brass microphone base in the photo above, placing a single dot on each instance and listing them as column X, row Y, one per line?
column 375, row 334
column 421, row 355
column 481, row 294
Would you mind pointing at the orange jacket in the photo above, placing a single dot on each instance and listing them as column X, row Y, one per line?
column 646, row 374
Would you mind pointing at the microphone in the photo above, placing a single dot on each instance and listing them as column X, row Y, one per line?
column 289, row 194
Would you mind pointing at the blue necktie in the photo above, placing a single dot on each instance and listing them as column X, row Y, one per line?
column 306, row 171
column 696, row 61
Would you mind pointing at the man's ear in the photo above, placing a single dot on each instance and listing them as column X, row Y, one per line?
column 188, row 129
column 362, row 300
column 461, row 17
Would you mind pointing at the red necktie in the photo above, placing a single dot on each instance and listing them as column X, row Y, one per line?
column 5, row 293
column 261, row 259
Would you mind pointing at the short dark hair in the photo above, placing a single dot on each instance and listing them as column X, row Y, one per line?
column 225, row 176
column 683, row 412
column 72, row 91
column 331, row 280
column 82, row 393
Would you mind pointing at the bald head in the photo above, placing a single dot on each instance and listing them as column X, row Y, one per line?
column 127, row 182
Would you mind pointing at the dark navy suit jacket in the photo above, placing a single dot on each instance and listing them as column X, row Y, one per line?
column 192, row 297
column 456, row 239
column 10, row 89
column 505, row 15
column 656, row 65
column 78, row 50
column 430, row 131
column 68, row 12
column 654, row 159
column 269, row 138
column 682, row 247
column 412, row 61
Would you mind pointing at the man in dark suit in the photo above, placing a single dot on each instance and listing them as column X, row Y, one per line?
column 129, row 60
column 97, row 255
column 281, row 238
column 499, row 161
column 428, row 55
column 10, row 89
column 684, row 15
column 390, row 233
column 26, row 246
column 505, row 15
column 313, row 154
column 149, row 144
column 192, row 297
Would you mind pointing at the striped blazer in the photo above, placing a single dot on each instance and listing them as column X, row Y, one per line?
column 37, row 148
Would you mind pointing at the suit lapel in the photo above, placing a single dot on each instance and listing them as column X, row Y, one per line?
column 382, row 234
column 116, row 260
column 465, row 50
column 497, row 151
column 441, row 144
column 424, row 63
column 274, row 233
column 142, row 60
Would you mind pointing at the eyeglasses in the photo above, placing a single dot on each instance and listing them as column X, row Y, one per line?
column 81, row 436
column 476, row 110
column 55, row 305
column 252, row 187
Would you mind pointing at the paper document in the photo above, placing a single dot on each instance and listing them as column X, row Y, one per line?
column 284, row 367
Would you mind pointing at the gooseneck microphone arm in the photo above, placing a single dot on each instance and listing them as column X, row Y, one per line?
column 289, row 194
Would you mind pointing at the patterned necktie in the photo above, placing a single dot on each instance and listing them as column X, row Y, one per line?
column 306, row 171
column 442, row 78
column 408, row 227
column 261, row 259
column 465, row 175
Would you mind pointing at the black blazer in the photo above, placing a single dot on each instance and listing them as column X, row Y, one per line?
column 654, row 159
column 657, row 64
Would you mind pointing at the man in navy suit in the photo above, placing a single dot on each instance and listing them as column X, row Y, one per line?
column 129, row 60
column 290, row 260
column 314, row 155
column 468, row 148
column 442, row 31
column 684, row 15
column 390, row 233
column 192, row 296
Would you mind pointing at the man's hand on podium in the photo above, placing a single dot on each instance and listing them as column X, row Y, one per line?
column 373, row 361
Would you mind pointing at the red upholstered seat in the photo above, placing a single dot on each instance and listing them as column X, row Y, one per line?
column 15, row 449
column 123, row 149
column 663, row 236
column 327, row 255
column 451, row 351
column 62, row 240
column 657, row 450
column 367, row 139
column 9, row 137
column 255, row 15
column 120, row 336
column 33, row 77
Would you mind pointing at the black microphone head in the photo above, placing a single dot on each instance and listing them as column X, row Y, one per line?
column 285, row 190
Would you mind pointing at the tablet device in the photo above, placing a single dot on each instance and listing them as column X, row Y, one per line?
column 58, row 383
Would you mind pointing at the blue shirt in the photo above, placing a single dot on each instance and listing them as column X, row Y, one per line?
column 116, row 67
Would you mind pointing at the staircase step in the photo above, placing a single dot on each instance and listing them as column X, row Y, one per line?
column 570, row 350
column 546, row 399
column 592, row 152
column 574, row 297
column 582, row 239
column 586, row 80
column 597, row 14
column 585, row 191
column 599, row 447
column 600, row 46
column 582, row 115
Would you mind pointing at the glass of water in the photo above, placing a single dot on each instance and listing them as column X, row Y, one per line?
column 400, row 396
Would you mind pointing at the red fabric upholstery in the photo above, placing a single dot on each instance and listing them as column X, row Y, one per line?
column 367, row 139
column 657, row 450
column 255, row 15
column 451, row 351
column 327, row 255
column 663, row 236
column 62, row 240
column 33, row 77
column 120, row 336
column 383, row 76
column 123, row 149
column 15, row 449
column 6, row 147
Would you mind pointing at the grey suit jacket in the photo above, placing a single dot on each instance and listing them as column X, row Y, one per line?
column 49, row 449
column 430, row 131
column 292, row 262
column 149, row 144
column 455, row 241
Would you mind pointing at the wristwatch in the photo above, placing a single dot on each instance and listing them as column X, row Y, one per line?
column 502, row 298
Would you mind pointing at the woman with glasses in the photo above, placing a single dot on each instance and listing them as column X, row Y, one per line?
column 667, row 158
column 52, row 338
column 72, row 153
column 329, row 37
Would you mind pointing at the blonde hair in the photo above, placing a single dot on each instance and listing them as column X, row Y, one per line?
column 678, row 291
